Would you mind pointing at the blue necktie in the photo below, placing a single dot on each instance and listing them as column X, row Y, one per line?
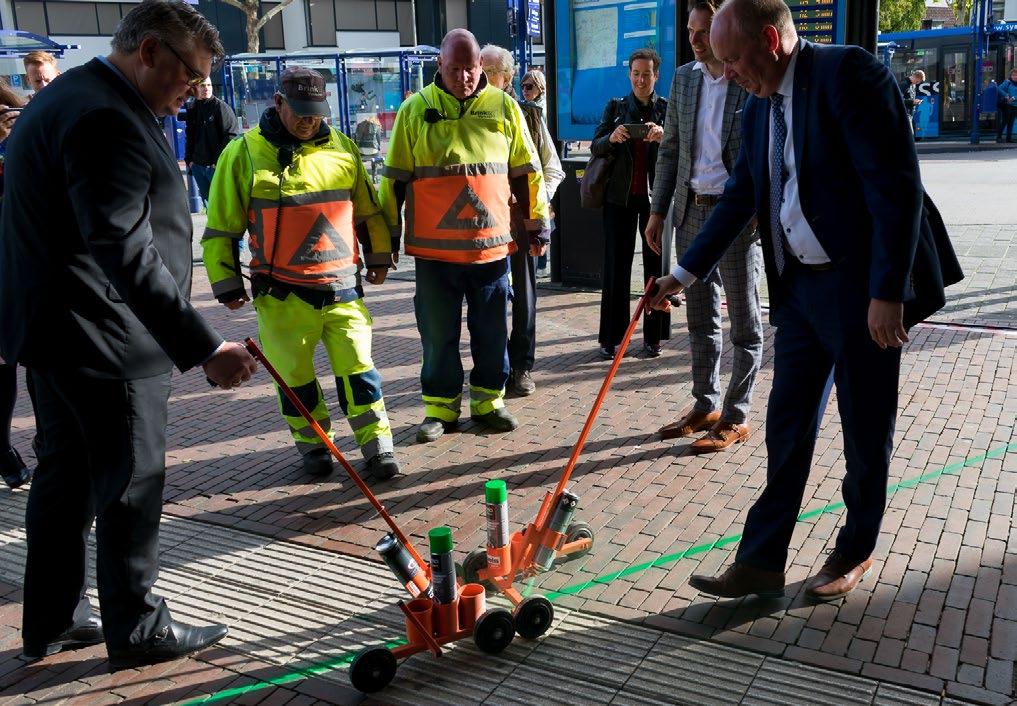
column 778, row 175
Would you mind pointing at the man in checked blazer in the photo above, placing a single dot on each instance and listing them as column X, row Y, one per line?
column 702, row 135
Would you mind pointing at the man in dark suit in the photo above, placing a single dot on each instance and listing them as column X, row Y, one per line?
column 95, row 275
column 828, row 164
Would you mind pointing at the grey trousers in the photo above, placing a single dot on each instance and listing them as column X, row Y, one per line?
column 738, row 274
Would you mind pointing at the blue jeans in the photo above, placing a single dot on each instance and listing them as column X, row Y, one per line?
column 203, row 177
column 438, row 304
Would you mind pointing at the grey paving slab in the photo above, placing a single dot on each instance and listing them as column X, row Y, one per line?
column 891, row 695
column 781, row 682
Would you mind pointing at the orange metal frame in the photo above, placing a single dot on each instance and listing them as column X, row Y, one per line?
column 517, row 559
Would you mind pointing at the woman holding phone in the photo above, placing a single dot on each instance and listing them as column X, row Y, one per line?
column 12, row 468
column 630, row 133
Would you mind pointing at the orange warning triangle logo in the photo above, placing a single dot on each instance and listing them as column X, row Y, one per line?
column 467, row 212
column 318, row 245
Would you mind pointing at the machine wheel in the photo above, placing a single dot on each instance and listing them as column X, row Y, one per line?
column 533, row 617
column 575, row 532
column 473, row 563
column 494, row 631
column 372, row 670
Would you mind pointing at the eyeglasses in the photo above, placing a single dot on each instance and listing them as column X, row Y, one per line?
column 529, row 86
column 196, row 77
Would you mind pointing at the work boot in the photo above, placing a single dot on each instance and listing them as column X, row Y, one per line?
column 432, row 428
column 14, row 471
column 318, row 462
column 521, row 383
column 383, row 465
column 497, row 420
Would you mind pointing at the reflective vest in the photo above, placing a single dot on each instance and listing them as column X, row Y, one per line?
column 457, row 173
column 301, row 231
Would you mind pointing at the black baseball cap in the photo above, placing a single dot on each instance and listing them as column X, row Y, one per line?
column 304, row 90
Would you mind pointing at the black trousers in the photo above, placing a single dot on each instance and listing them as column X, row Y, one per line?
column 522, row 343
column 621, row 223
column 103, row 457
column 1005, row 118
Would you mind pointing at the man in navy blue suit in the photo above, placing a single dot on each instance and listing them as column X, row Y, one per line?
column 828, row 164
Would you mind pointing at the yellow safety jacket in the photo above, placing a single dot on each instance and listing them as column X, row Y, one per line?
column 456, row 170
column 303, row 221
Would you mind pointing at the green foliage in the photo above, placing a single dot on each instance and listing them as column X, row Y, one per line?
column 901, row 15
column 961, row 11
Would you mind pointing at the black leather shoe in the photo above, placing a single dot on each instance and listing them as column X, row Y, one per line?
column 88, row 632
column 318, row 462
column 606, row 352
column 497, row 420
column 432, row 428
column 14, row 471
column 172, row 641
column 651, row 350
column 383, row 465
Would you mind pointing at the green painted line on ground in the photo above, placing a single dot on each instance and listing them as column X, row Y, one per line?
column 345, row 659
column 296, row 675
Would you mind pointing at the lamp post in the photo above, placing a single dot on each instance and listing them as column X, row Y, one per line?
column 979, row 39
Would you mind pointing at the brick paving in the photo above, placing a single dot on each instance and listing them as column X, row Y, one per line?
column 939, row 612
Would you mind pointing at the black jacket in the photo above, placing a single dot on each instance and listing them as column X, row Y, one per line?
column 618, row 112
column 95, row 237
column 211, row 124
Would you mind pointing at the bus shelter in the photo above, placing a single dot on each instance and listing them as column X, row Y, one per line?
column 15, row 44
column 362, row 86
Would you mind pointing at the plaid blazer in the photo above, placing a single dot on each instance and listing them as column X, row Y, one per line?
column 674, row 157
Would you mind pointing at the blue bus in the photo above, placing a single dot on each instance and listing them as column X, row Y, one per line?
column 946, row 56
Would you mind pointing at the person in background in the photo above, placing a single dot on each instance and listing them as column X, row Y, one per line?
column 499, row 67
column 1006, row 102
column 95, row 279
column 702, row 134
column 211, row 124
column 627, row 202
column 12, row 468
column 40, row 68
column 911, row 99
column 534, row 87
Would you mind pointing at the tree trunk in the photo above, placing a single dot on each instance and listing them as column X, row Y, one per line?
column 253, row 41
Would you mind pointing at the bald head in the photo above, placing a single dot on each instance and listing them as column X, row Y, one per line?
column 755, row 40
column 459, row 63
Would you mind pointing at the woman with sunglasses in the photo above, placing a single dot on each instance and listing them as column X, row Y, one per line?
column 534, row 87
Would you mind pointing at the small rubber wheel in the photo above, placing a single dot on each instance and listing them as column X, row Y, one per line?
column 472, row 564
column 575, row 532
column 494, row 631
column 533, row 617
column 372, row 670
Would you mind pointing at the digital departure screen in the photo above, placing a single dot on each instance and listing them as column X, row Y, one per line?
column 820, row 21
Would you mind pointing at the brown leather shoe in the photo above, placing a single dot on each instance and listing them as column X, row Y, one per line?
column 689, row 423
column 720, row 436
column 837, row 578
column 741, row 580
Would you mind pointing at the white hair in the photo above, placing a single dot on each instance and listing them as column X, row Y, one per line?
column 500, row 57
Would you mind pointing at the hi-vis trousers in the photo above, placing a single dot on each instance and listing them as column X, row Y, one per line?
column 290, row 330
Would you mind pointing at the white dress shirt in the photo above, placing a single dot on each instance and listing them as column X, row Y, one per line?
column 800, row 237
column 708, row 171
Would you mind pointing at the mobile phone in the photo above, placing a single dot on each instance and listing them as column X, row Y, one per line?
column 638, row 131
column 4, row 111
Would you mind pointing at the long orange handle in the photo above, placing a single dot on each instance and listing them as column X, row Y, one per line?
column 640, row 307
column 354, row 476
